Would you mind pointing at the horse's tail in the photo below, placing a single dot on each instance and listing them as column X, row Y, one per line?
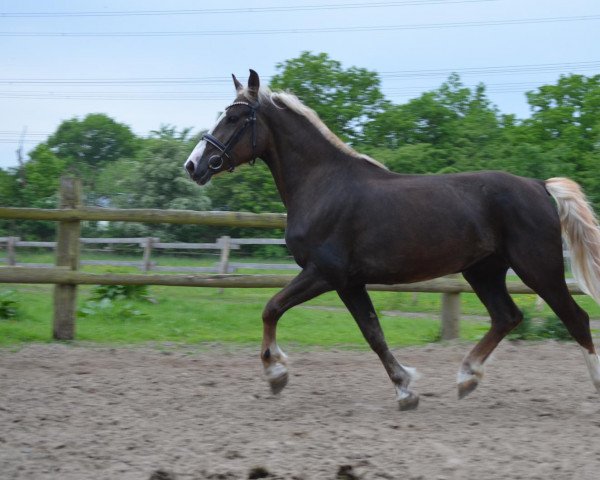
column 581, row 232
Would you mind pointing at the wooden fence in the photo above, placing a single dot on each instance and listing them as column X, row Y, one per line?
column 66, row 274
column 224, row 245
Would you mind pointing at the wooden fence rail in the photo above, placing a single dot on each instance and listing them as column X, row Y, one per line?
column 183, row 217
column 66, row 274
column 149, row 245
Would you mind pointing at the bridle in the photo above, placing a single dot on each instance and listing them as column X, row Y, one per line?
column 215, row 162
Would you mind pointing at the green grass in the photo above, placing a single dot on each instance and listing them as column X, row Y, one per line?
column 196, row 315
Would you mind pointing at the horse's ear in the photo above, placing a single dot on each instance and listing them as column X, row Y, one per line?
column 253, row 83
column 236, row 82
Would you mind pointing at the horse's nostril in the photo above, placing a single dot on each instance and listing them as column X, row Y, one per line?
column 190, row 167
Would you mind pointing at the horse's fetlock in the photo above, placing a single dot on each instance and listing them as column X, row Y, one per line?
column 400, row 380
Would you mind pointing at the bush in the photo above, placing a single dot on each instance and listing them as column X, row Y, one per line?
column 109, row 310
column 8, row 305
column 121, row 292
column 538, row 328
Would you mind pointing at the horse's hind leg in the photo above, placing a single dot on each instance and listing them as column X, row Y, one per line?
column 548, row 281
column 577, row 322
column 359, row 304
column 488, row 279
column 308, row 284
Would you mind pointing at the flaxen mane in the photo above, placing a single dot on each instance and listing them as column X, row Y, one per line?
column 292, row 102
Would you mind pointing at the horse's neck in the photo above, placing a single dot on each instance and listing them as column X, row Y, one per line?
column 300, row 157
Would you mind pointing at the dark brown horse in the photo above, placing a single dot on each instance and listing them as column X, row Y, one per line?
column 352, row 222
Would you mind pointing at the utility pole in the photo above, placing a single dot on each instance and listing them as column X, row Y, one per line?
column 20, row 161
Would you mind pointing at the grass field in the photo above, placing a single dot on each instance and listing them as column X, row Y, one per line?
column 196, row 315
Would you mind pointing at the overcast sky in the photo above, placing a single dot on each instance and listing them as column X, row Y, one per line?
column 149, row 63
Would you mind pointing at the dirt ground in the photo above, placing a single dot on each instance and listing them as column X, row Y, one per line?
column 81, row 412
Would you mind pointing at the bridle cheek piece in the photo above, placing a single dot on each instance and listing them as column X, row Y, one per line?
column 215, row 162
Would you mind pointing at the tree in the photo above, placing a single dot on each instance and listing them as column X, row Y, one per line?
column 93, row 142
column 565, row 123
column 345, row 99
column 41, row 174
column 155, row 178
column 248, row 189
column 34, row 184
column 568, row 112
column 449, row 129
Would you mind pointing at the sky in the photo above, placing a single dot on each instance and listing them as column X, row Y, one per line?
column 152, row 63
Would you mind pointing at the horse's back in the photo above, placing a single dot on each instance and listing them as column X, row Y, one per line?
column 487, row 197
column 389, row 228
column 439, row 224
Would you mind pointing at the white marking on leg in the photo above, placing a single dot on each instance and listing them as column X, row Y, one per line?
column 469, row 371
column 592, row 361
column 277, row 367
column 406, row 399
column 412, row 373
column 401, row 392
column 277, row 353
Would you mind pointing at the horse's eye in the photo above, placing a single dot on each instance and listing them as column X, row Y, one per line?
column 232, row 119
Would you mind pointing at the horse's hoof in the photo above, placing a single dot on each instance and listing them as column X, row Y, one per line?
column 277, row 375
column 467, row 386
column 278, row 384
column 407, row 400
column 409, row 403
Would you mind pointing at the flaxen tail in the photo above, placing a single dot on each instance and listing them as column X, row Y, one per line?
column 581, row 232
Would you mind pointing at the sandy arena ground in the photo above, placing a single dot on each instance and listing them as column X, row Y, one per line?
column 76, row 413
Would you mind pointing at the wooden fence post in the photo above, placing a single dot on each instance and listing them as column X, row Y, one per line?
column 225, row 243
column 11, row 254
column 147, row 263
column 450, row 315
column 67, row 255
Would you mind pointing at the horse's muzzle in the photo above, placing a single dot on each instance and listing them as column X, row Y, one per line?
column 190, row 167
column 196, row 174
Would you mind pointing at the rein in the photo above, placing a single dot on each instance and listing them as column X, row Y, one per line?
column 215, row 162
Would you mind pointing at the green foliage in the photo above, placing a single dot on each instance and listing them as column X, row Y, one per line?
column 34, row 185
column 93, row 141
column 565, row 123
column 108, row 310
column 449, row 129
column 8, row 305
column 121, row 292
column 155, row 178
column 249, row 189
column 108, row 303
column 345, row 99
column 536, row 327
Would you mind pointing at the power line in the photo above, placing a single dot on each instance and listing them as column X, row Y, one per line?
column 118, row 81
column 398, row 74
column 502, row 87
column 251, row 10
column 293, row 31
column 495, row 70
column 209, row 94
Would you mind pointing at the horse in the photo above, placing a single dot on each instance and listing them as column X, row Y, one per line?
column 352, row 222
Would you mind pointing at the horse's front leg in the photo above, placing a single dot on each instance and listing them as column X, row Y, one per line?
column 308, row 284
column 359, row 304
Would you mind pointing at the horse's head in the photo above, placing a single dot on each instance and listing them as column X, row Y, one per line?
column 235, row 139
